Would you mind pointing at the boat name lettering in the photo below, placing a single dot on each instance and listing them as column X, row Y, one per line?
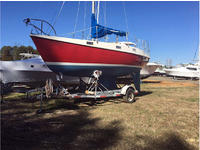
column 119, row 47
column 91, row 43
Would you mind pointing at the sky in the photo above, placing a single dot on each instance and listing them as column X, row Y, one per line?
column 170, row 27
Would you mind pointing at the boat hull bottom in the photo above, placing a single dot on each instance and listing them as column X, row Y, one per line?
column 87, row 71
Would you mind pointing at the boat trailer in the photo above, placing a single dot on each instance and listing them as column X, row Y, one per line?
column 94, row 91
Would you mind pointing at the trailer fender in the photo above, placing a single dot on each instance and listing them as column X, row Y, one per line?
column 125, row 88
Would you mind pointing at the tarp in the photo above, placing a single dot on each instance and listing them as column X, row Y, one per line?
column 99, row 31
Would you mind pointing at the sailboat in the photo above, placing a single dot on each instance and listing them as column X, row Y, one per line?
column 79, row 57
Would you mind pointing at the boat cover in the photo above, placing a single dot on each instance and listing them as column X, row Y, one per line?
column 99, row 31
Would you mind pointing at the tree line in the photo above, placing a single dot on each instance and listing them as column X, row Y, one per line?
column 9, row 53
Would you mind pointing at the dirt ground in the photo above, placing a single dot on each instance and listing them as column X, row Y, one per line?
column 165, row 116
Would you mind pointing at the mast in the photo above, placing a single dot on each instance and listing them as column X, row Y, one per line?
column 93, row 7
column 98, row 31
column 93, row 20
column 98, row 5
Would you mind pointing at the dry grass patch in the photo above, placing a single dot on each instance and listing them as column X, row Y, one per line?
column 162, row 118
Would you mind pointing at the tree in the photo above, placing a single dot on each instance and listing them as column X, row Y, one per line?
column 6, row 53
column 17, row 51
column 13, row 53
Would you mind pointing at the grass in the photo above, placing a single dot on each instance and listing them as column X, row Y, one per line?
column 14, row 96
column 164, row 117
column 192, row 99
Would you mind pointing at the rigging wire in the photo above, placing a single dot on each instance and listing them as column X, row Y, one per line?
column 77, row 17
column 106, row 37
column 197, row 51
column 105, row 13
column 77, row 31
column 126, row 21
column 98, row 4
column 59, row 13
column 85, row 6
column 52, row 19
column 56, row 18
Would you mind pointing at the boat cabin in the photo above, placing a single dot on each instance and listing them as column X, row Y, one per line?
column 131, row 44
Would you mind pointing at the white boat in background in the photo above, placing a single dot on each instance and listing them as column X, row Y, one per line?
column 148, row 70
column 33, row 72
column 160, row 71
column 190, row 71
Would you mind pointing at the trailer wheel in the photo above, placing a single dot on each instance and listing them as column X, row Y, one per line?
column 129, row 97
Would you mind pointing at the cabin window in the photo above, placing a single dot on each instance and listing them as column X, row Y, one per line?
column 191, row 68
column 32, row 66
column 119, row 47
column 90, row 43
column 134, row 49
column 145, row 58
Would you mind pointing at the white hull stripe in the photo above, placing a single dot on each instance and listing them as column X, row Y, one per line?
column 89, row 64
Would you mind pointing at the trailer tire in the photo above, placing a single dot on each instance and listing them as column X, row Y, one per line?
column 129, row 97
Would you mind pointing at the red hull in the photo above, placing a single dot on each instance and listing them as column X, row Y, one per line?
column 58, row 51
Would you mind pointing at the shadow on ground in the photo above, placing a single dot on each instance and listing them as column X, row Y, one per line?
column 22, row 128
column 150, row 82
column 168, row 141
column 143, row 93
column 100, row 102
column 75, row 128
